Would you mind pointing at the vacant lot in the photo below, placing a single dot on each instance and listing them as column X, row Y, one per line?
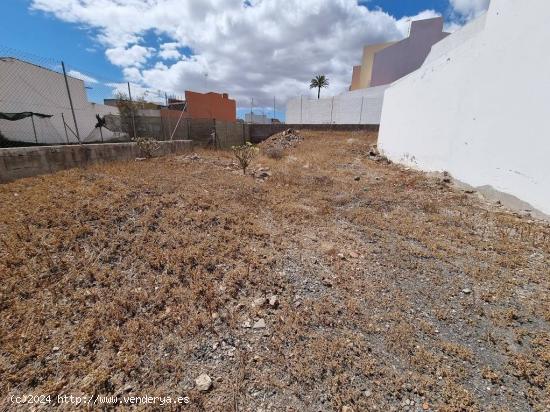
column 336, row 281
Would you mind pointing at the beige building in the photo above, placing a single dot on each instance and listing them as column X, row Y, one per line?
column 362, row 75
column 385, row 63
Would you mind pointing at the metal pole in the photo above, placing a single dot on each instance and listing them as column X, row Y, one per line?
column 132, row 109
column 251, row 111
column 273, row 108
column 169, row 115
column 65, row 127
column 70, row 101
column 361, row 113
column 34, row 129
column 301, row 111
column 331, row 109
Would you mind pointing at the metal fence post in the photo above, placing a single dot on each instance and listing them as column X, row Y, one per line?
column 132, row 109
column 65, row 127
column 331, row 109
column 34, row 129
column 71, row 102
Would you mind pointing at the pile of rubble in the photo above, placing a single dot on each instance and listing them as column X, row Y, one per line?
column 286, row 139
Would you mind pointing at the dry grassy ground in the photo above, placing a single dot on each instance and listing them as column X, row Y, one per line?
column 395, row 291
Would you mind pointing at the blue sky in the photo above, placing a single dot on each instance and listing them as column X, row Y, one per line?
column 76, row 31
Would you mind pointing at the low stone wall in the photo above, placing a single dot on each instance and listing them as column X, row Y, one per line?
column 16, row 163
column 260, row 132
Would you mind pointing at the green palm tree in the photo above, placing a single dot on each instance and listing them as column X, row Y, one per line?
column 318, row 82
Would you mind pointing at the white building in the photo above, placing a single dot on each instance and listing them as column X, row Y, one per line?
column 25, row 87
column 479, row 106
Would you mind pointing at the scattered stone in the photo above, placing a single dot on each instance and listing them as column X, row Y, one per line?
column 260, row 324
column 273, row 301
column 259, row 302
column 357, row 178
column 203, row 383
column 341, row 256
column 55, row 349
column 425, row 406
column 140, row 159
column 327, row 282
column 193, row 156
column 373, row 152
column 466, row 291
column 247, row 324
column 347, row 409
column 353, row 255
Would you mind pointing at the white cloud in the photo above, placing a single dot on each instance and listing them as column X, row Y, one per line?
column 468, row 9
column 169, row 51
column 132, row 74
column 271, row 48
column 135, row 55
column 81, row 76
column 138, row 92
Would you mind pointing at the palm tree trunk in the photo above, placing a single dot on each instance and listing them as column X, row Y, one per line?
column 319, row 93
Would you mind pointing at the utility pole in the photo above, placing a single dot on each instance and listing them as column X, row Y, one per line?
column 273, row 108
column 71, row 102
column 132, row 110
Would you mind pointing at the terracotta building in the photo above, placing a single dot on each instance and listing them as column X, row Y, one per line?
column 210, row 106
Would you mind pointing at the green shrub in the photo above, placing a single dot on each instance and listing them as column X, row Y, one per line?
column 245, row 154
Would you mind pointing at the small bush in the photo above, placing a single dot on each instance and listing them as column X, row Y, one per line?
column 147, row 146
column 245, row 154
column 275, row 152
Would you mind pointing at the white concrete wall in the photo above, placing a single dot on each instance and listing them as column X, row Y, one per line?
column 480, row 109
column 361, row 106
column 25, row 87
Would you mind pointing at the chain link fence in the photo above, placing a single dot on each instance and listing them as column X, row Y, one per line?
column 50, row 102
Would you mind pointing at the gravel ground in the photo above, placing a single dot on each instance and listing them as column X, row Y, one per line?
column 335, row 281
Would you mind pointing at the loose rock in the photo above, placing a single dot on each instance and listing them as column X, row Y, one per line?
column 203, row 383
column 260, row 324
column 273, row 301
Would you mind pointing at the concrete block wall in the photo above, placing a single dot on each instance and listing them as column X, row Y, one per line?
column 363, row 106
column 16, row 163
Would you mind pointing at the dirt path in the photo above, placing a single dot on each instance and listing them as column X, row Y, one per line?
column 337, row 282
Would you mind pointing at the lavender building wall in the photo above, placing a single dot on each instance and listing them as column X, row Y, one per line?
column 406, row 56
